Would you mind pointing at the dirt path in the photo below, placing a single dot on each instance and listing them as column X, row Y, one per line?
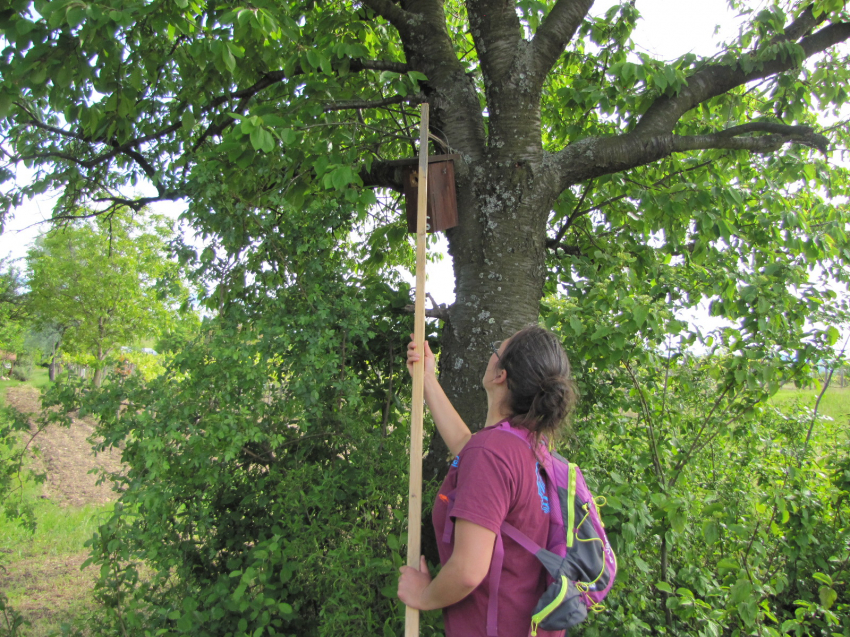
column 46, row 585
column 65, row 454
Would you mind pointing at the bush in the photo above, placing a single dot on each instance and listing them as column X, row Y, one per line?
column 724, row 520
column 23, row 368
column 265, row 489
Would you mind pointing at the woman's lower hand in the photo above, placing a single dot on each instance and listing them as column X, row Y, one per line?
column 412, row 584
column 413, row 356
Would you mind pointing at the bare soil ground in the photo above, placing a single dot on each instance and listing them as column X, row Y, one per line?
column 65, row 454
column 48, row 586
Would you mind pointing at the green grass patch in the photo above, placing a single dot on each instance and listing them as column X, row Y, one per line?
column 42, row 576
column 834, row 404
column 40, row 571
column 40, row 379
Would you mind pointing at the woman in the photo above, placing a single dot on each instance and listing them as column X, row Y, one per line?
column 495, row 477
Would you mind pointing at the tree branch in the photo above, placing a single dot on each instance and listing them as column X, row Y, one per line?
column 396, row 99
column 497, row 34
column 144, row 165
column 439, row 312
column 574, row 251
column 551, row 243
column 135, row 204
column 716, row 79
column 552, row 37
column 804, row 23
column 382, row 174
column 392, row 13
column 593, row 157
column 779, row 135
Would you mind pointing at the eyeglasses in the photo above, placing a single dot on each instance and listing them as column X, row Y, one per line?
column 495, row 345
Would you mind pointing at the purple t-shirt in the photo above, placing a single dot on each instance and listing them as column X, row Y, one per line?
column 496, row 478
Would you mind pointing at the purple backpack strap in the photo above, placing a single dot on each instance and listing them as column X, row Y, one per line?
column 450, row 523
column 520, row 538
column 495, row 578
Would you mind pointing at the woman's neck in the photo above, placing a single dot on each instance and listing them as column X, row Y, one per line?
column 496, row 411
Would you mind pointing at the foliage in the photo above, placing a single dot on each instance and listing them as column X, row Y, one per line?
column 13, row 427
column 11, row 621
column 727, row 516
column 264, row 466
column 744, row 535
column 104, row 284
column 12, row 312
column 634, row 188
column 23, row 368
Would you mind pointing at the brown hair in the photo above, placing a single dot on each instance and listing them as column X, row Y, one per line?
column 542, row 392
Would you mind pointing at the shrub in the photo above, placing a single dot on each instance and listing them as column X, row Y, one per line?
column 265, row 489
column 22, row 369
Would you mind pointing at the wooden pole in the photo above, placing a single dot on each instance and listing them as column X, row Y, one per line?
column 414, row 512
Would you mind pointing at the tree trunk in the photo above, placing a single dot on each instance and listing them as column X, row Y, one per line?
column 498, row 286
column 97, row 379
column 55, row 367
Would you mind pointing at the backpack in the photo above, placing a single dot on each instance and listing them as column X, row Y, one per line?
column 577, row 555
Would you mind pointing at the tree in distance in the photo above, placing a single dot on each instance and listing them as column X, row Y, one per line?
column 632, row 186
column 13, row 314
column 101, row 284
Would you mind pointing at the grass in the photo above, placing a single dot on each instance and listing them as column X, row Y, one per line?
column 40, row 570
column 835, row 402
column 40, row 379
column 42, row 578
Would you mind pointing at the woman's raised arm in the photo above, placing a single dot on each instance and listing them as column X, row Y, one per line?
column 452, row 429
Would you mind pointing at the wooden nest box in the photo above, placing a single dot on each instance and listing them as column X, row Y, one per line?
column 442, row 198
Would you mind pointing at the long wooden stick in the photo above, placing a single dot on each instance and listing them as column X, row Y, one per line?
column 414, row 512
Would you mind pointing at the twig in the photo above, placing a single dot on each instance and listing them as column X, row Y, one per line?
column 659, row 472
column 817, row 404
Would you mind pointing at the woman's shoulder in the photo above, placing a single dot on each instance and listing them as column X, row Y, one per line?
column 498, row 440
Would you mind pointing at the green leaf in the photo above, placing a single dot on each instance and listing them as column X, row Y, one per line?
column 188, row 120
column 740, row 591
column 827, row 596
column 236, row 50
column 711, row 531
column 5, row 103
column 601, row 332
column 577, row 325
column 258, row 138
column 823, row 578
column 664, row 587
column 748, row 612
column 228, row 59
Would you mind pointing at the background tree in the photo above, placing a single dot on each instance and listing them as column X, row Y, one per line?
column 13, row 313
column 102, row 283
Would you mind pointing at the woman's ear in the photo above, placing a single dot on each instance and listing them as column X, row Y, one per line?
column 500, row 376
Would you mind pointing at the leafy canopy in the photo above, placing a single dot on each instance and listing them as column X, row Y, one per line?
column 106, row 283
